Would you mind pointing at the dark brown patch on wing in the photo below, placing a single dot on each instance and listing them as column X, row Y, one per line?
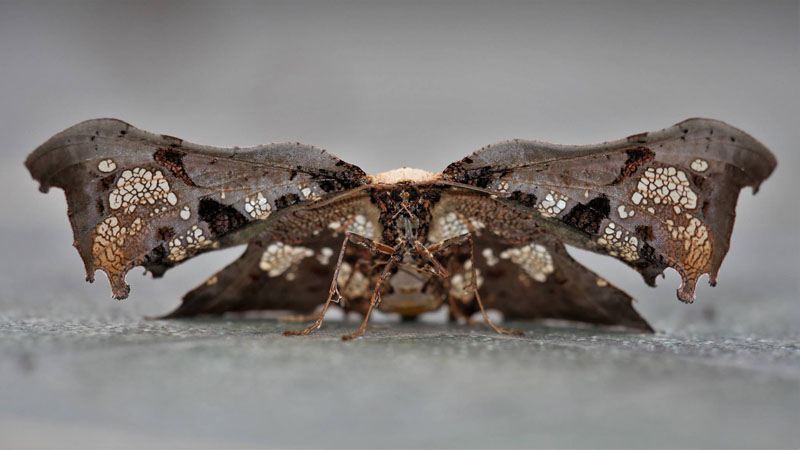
column 164, row 233
column 589, row 216
column 286, row 201
column 221, row 219
column 636, row 158
column 645, row 232
column 481, row 177
column 107, row 182
column 329, row 181
column 523, row 198
column 173, row 160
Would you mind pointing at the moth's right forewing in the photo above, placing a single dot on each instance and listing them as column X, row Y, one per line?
column 653, row 200
column 141, row 199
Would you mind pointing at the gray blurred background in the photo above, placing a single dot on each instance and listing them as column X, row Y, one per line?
column 384, row 85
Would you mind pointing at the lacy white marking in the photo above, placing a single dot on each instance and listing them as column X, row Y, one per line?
column 257, row 206
column 552, row 204
column 186, row 213
column 502, row 186
column 279, row 257
column 694, row 237
column 140, row 187
column 619, row 242
column 665, row 185
column 448, row 227
column 625, row 213
column 360, row 225
column 491, row 260
column 324, row 255
column 309, row 193
column 109, row 240
column 461, row 283
column 699, row 165
column 477, row 225
column 358, row 283
column 404, row 174
column 534, row 259
column 185, row 246
column 107, row 165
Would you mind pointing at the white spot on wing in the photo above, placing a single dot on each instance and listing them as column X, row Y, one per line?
column 279, row 257
column 107, row 165
column 699, row 165
column 534, row 259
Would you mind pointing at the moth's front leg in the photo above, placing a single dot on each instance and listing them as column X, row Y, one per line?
column 460, row 240
column 333, row 294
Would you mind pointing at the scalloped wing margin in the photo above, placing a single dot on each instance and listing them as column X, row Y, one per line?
column 653, row 200
column 140, row 199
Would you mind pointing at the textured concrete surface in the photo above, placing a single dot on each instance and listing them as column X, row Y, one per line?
column 95, row 374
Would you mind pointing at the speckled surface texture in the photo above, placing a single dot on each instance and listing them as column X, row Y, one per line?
column 98, row 374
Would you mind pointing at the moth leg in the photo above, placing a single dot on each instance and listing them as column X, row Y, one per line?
column 334, row 289
column 459, row 240
column 361, row 263
column 436, row 266
column 474, row 283
column 299, row 318
column 374, row 300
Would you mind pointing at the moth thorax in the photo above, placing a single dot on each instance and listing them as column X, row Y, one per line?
column 404, row 174
column 408, row 225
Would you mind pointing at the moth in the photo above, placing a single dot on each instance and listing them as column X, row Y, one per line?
column 488, row 232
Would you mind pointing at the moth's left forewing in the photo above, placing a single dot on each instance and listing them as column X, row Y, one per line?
column 140, row 199
column 653, row 200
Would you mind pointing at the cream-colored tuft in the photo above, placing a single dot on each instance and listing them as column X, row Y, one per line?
column 404, row 174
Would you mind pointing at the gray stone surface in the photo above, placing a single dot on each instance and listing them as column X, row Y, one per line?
column 120, row 381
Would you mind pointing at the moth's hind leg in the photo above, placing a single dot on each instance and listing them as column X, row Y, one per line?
column 375, row 298
column 460, row 240
column 333, row 293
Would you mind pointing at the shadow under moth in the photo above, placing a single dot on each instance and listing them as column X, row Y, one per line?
column 488, row 232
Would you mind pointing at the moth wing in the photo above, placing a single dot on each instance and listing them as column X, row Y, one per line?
column 275, row 275
column 653, row 200
column 540, row 280
column 141, row 199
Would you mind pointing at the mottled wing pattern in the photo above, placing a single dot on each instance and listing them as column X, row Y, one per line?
column 141, row 199
column 653, row 200
column 275, row 274
column 523, row 271
column 539, row 280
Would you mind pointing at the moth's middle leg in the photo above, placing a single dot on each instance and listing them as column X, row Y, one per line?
column 367, row 243
column 461, row 240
